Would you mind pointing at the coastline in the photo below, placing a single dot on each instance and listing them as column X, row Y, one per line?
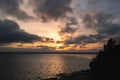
column 77, row 75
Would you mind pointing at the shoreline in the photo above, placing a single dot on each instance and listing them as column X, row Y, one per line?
column 2, row 53
column 77, row 75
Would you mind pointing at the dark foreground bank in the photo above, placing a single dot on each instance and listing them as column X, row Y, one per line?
column 106, row 66
column 79, row 75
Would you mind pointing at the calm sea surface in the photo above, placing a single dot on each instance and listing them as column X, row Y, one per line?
column 31, row 66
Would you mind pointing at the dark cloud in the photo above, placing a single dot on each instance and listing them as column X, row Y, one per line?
column 110, row 30
column 11, row 7
column 68, row 28
column 111, row 6
column 89, row 21
column 10, row 32
column 102, row 23
column 51, row 9
column 46, row 48
column 105, row 26
column 47, row 40
column 42, row 49
column 85, row 39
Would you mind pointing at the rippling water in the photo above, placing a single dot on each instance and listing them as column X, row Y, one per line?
column 30, row 66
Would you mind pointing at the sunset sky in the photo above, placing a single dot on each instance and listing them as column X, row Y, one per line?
column 58, row 25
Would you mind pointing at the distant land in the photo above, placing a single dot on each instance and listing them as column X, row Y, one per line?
column 48, row 52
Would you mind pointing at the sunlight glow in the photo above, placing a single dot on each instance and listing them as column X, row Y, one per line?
column 55, row 36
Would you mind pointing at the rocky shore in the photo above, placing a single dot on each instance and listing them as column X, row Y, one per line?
column 79, row 75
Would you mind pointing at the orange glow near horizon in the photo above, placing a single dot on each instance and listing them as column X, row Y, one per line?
column 56, row 46
column 51, row 30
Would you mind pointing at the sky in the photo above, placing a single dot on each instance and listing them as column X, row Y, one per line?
column 58, row 25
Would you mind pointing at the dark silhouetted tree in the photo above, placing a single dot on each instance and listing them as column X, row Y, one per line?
column 106, row 65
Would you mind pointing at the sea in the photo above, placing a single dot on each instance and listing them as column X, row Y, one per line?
column 32, row 66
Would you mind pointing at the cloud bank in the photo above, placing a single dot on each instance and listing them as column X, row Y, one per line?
column 51, row 9
column 102, row 16
column 102, row 23
column 10, row 32
column 12, row 8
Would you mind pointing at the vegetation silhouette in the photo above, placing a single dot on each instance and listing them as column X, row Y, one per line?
column 106, row 65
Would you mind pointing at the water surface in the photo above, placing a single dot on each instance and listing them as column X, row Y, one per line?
column 31, row 66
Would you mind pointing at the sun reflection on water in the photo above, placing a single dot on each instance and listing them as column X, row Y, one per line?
column 47, row 65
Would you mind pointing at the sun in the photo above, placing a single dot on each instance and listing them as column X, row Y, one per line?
column 58, row 45
column 55, row 36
